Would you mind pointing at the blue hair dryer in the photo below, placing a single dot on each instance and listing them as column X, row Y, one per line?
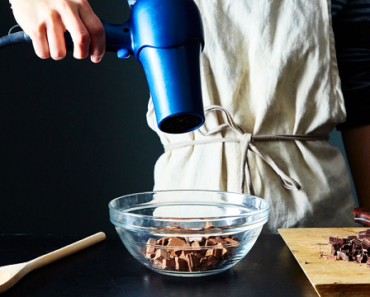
column 166, row 37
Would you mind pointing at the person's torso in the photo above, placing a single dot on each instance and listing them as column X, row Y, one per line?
column 271, row 64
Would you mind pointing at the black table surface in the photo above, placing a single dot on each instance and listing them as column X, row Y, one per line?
column 107, row 269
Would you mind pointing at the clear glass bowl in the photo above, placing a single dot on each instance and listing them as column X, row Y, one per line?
column 188, row 232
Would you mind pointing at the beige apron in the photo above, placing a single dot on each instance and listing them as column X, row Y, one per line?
column 271, row 66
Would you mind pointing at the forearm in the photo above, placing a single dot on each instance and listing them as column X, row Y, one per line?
column 357, row 145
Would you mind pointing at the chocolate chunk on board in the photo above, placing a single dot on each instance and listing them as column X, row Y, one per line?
column 366, row 244
column 352, row 248
column 362, row 234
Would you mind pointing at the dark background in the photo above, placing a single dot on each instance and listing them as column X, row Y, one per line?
column 73, row 135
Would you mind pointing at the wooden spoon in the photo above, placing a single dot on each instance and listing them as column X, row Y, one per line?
column 11, row 274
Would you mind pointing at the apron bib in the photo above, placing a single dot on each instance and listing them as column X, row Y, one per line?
column 268, row 69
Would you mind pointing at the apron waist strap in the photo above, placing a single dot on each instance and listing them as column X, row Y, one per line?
column 246, row 143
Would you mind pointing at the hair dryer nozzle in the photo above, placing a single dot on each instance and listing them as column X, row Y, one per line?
column 173, row 76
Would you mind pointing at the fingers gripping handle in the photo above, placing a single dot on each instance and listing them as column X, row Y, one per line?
column 118, row 39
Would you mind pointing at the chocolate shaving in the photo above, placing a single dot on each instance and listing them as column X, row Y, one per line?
column 343, row 256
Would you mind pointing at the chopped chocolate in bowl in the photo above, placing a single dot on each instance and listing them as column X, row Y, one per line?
column 190, row 254
column 188, row 233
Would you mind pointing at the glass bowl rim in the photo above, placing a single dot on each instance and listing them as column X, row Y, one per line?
column 208, row 219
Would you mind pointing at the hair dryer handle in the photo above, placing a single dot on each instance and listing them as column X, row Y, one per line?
column 118, row 39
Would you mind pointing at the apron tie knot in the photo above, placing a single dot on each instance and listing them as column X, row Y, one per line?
column 246, row 141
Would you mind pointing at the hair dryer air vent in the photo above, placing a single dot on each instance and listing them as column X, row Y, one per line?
column 180, row 123
column 173, row 75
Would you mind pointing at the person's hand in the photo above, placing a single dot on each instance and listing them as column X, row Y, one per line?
column 45, row 21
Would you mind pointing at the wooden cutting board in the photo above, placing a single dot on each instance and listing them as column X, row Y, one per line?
column 329, row 277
